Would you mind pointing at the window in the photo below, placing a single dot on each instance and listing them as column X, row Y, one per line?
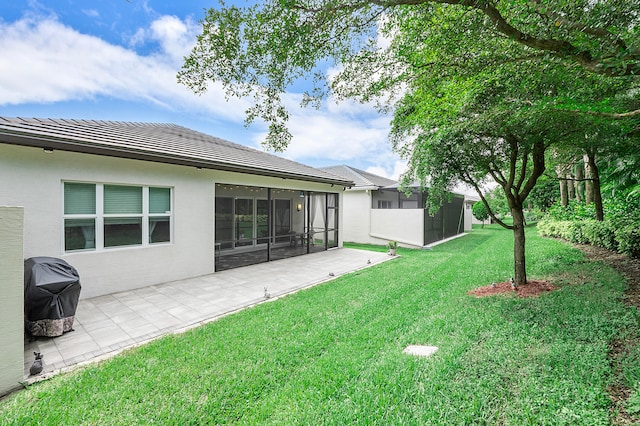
column 384, row 204
column 100, row 216
column 159, row 215
column 122, row 215
column 80, row 216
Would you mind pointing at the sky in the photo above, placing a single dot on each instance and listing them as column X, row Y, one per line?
column 118, row 60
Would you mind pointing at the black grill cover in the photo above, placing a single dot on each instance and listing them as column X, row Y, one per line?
column 51, row 289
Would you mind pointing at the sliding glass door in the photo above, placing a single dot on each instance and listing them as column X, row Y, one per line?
column 254, row 225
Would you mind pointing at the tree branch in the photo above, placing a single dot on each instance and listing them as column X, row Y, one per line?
column 560, row 48
column 538, row 168
column 593, row 31
column 605, row 114
column 475, row 186
column 513, row 160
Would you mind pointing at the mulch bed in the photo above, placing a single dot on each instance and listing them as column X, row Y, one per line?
column 533, row 288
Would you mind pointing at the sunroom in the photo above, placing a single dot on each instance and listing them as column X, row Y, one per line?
column 259, row 224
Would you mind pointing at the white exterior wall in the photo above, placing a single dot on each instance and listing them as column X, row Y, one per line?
column 357, row 216
column 468, row 215
column 12, row 299
column 34, row 179
column 406, row 226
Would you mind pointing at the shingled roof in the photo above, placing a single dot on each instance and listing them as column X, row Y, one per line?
column 162, row 143
column 359, row 177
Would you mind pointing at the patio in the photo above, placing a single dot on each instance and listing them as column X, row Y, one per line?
column 107, row 325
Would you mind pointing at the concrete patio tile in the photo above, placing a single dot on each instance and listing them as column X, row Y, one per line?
column 107, row 336
column 155, row 298
column 138, row 328
column 106, row 325
column 165, row 321
column 139, row 305
column 85, row 318
column 77, row 348
column 125, row 317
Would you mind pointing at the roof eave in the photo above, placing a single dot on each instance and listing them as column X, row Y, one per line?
column 128, row 153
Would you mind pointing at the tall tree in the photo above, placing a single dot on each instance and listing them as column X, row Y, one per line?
column 598, row 140
column 492, row 125
column 440, row 57
column 261, row 50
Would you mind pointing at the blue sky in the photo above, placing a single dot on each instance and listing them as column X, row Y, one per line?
column 118, row 60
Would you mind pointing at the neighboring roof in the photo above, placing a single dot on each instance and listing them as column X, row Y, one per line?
column 459, row 189
column 359, row 177
column 162, row 143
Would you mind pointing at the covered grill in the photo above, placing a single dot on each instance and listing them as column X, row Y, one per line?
column 51, row 293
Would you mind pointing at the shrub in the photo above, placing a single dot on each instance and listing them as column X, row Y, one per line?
column 600, row 234
column 576, row 210
column 624, row 238
column 575, row 223
column 554, row 228
column 479, row 211
column 628, row 238
column 575, row 232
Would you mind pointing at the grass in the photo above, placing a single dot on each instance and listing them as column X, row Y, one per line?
column 332, row 354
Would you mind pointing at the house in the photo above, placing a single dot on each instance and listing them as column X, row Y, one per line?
column 136, row 204
column 377, row 211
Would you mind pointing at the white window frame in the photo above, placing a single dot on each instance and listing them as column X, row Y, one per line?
column 99, row 217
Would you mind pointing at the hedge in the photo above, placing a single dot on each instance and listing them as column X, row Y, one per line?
column 622, row 238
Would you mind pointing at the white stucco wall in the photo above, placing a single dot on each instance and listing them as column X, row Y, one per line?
column 468, row 215
column 357, row 216
column 33, row 179
column 403, row 225
column 11, row 301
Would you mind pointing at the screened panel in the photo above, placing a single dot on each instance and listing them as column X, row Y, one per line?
column 454, row 217
column 410, row 202
column 244, row 222
column 79, row 198
column 332, row 220
column 433, row 226
column 159, row 200
column 387, row 199
column 262, row 221
column 224, row 222
column 282, row 218
column 122, row 199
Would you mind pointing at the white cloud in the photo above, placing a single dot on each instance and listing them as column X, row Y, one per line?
column 174, row 36
column 346, row 132
column 91, row 13
column 44, row 61
column 393, row 170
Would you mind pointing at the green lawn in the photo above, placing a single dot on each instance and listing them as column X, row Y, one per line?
column 332, row 354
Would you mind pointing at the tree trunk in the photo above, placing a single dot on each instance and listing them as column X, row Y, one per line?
column 564, row 199
column 588, row 187
column 571, row 190
column 597, row 194
column 580, row 181
column 520, row 270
